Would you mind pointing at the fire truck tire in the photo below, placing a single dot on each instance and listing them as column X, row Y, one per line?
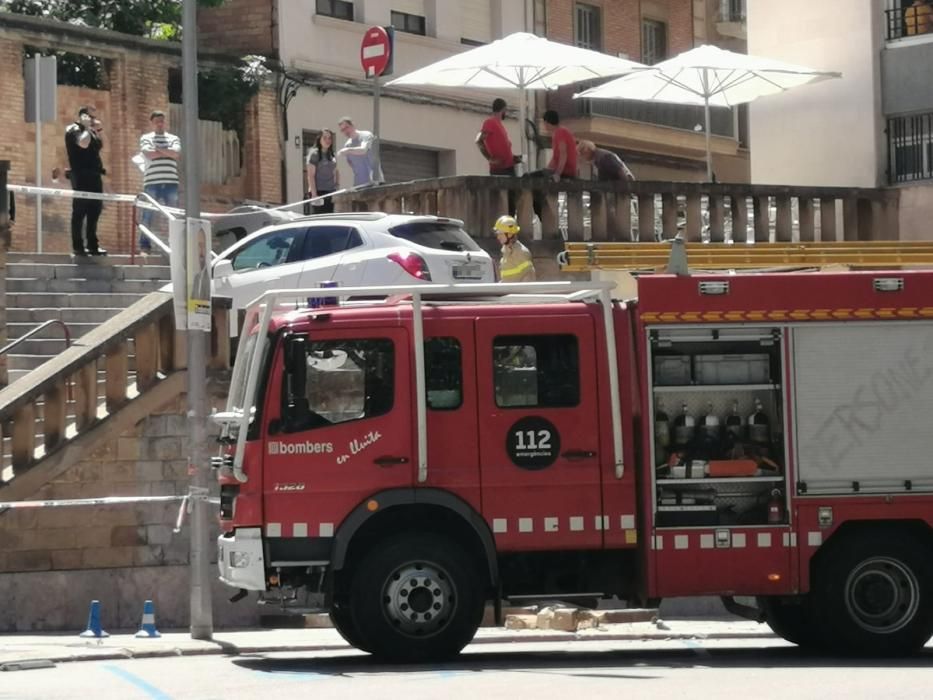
column 791, row 620
column 873, row 594
column 342, row 619
column 416, row 599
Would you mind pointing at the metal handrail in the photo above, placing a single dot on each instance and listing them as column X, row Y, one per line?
column 42, row 326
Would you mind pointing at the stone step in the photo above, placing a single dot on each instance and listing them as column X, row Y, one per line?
column 98, row 272
column 32, row 300
column 35, row 316
column 90, row 261
column 69, row 286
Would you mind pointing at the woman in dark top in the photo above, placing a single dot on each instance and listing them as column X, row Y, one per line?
column 323, row 177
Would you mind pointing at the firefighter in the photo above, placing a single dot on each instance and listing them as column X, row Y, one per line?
column 516, row 264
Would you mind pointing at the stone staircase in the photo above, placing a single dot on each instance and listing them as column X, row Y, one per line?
column 83, row 293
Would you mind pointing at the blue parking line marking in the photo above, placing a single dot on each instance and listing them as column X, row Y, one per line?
column 135, row 680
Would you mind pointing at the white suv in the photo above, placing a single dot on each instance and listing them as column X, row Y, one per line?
column 353, row 250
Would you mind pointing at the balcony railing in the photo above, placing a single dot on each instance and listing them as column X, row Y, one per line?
column 686, row 117
column 579, row 210
column 910, row 148
column 903, row 22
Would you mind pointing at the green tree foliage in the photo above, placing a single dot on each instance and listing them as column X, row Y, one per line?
column 157, row 19
column 223, row 91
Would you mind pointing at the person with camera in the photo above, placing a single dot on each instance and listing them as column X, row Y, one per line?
column 83, row 143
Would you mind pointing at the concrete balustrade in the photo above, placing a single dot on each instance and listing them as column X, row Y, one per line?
column 104, row 371
column 578, row 210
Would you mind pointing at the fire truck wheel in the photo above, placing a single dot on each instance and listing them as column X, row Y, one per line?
column 343, row 622
column 416, row 599
column 873, row 594
column 791, row 620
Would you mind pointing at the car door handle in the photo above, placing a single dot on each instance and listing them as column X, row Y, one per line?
column 577, row 454
column 390, row 461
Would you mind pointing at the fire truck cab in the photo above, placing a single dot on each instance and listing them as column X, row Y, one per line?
column 757, row 435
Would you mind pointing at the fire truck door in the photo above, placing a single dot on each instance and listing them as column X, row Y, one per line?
column 349, row 434
column 539, row 432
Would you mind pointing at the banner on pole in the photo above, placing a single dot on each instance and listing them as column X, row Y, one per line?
column 176, row 242
column 199, row 274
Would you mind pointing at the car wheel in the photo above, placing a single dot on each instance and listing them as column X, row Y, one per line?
column 416, row 599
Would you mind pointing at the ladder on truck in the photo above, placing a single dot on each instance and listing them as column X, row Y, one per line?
column 587, row 256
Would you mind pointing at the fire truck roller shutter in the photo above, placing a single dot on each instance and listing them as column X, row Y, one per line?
column 397, row 503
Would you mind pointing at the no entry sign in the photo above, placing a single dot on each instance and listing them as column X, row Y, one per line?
column 375, row 51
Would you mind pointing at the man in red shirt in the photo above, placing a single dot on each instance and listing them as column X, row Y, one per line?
column 494, row 143
column 563, row 165
column 564, row 148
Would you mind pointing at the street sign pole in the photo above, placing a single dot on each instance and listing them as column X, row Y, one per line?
column 202, row 619
column 377, row 159
column 376, row 60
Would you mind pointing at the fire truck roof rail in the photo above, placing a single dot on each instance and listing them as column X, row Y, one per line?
column 248, row 367
column 587, row 256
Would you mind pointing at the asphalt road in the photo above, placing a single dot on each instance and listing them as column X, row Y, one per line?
column 673, row 669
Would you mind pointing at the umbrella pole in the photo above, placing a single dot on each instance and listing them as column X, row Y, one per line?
column 709, row 155
column 522, row 115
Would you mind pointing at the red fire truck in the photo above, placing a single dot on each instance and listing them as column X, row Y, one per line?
column 753, row 435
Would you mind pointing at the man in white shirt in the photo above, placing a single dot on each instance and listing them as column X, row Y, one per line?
column 160, row 179
column 358, row 151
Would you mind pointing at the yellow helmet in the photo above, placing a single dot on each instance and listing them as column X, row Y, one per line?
column 507, row 225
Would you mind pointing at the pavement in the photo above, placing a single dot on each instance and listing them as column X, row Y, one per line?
column 25, row 651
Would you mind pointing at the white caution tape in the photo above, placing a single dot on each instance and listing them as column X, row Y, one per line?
column 74, row 194
column 142, row 204
column 104, row 501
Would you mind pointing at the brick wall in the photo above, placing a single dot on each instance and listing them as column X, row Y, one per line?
column 138, row 83
column 621, row 32
column 621, row 23
column 240, row 26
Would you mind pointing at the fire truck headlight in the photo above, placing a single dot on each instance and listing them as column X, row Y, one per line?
column 239, row 560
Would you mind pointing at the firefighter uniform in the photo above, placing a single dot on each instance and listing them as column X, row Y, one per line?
column 516, row 264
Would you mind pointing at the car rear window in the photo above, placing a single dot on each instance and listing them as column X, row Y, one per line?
column 431, row 234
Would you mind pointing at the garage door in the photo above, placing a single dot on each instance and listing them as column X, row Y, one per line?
column 404, row 163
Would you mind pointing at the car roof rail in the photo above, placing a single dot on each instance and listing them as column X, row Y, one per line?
column 345, row 216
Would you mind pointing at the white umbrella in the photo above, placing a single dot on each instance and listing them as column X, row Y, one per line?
column 708, row 76
column 522, row 61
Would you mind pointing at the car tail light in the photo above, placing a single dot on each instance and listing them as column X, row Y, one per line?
column 413, row 264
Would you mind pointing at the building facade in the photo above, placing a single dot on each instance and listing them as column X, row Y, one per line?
column 423, row 133
column 430, row 133
column 871, row 128
column 658, row 141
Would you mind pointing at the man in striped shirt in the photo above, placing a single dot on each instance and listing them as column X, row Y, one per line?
column 160, row 179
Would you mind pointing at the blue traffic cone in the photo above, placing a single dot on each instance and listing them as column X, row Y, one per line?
column 148, row 628
column 94, row 629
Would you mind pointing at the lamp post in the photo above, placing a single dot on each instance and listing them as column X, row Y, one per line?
column 202, row 619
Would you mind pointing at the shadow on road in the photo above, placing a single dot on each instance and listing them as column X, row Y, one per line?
column 574, row 662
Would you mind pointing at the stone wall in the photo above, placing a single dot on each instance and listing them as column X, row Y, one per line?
column 137, row 83
column 54, row 560
column 4, row 244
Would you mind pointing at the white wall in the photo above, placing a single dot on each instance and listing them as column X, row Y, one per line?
column 830, row 133
column 422, row 126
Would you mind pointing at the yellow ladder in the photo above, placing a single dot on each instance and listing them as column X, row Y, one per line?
column 584, row 256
